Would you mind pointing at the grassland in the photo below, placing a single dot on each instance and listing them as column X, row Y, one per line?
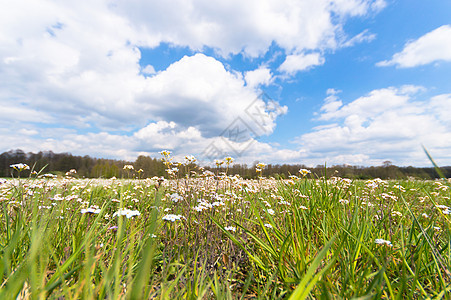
column 217, row 236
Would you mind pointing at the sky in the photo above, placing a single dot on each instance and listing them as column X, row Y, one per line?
column 310, row 82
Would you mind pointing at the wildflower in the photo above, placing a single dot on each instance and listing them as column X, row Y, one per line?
column 199, row 208
column 228, row 160
column 442, row 207
column 259, row 167
column 114, row 228
column 268, row 226
column 343, row 201
column 48, row 175
column 218, row 162
column 303, row 207
column 218, row 203
column 396, row 213
column 172, row 217
column 176, row 197
column 266, row 203
column 304, row 172
column 270, row 211
column 399, row 187
column 172, row 171
column 382, row 241
column 128, row 167
column 230, row 228
column 208, row 173
column 189, row 159
column 126, row 212
column 91, row 210
column 20, row 167
column 165, row 153
column 425, row 215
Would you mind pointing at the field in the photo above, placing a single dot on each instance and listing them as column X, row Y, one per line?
column 217, row 236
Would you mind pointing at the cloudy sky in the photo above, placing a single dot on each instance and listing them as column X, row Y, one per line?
column 309, row 81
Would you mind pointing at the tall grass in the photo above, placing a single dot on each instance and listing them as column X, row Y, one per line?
column 216, row 236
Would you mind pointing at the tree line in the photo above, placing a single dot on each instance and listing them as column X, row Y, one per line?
column 147, row 167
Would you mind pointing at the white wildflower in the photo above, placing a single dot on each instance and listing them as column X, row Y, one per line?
column 172, row 217
column 20, row 167
column 91, row 210
column 343, row 201
column 176, row 197
column 230, row 228
column 382, row 241
column 126, row 212
column 304, row 172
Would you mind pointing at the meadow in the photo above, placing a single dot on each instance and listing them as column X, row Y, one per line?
column 214, row 235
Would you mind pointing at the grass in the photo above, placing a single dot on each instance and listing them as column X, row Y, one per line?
column 216, row 236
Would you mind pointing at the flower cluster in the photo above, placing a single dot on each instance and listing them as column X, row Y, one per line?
column 304, row 172
column 126, row 212
column 382, row 242
column 20, row 167
column 172, row 218
column 90, row 210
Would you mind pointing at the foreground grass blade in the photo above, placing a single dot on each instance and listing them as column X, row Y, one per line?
column 310, row 278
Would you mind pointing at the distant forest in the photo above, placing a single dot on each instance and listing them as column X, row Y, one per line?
column 88, row 167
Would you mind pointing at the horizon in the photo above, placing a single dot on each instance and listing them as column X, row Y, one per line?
column 355, row 82
column 248, row 165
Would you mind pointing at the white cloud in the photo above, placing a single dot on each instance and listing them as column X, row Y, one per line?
column 257, row 77
column 300, row 62
column 232, row 26
column 75, row 66
column 364, row 36
column 148, row 70
column 432, row 47
column 387, row 124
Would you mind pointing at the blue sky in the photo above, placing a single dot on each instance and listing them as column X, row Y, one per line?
column 352, row 82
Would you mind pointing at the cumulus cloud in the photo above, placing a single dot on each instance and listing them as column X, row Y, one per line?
column 257, row 77
column 300, row 62
column 76, row 67
column 387, row 124
column 233, row 26
column 432, row 47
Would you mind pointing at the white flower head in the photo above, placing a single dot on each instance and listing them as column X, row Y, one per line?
column 382, row 242
column 126, row 212
column 304, row 172
column 230, row 228
column 172, row 218
column 91, row 210
column 189, row 159
column 176, row 197
column 20, row 167
column 343, row 201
